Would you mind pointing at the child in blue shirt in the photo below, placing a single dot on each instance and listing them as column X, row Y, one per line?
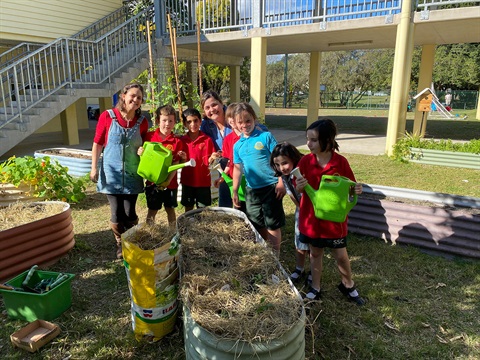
column 264, row 193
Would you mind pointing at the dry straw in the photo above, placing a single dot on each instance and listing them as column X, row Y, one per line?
column 151, row 236
column 233, row 286
column 21, row 213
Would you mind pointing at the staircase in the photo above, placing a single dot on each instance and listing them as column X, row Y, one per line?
column 43, row 83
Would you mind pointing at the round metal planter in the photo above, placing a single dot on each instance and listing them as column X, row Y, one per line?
column 41, row 242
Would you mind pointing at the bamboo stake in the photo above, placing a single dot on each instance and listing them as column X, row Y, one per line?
column 150, row 57
column 173, row 43
column 200, row 84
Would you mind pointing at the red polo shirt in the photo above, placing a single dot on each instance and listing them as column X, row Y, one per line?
column 227, row 149
column 199, row 149
column 172, row 143
column 309, row 225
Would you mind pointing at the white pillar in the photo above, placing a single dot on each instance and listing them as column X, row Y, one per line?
column 68, row 119
column 234, row 83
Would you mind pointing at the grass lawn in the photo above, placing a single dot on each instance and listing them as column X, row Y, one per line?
column 374, row 122
column 419, row 306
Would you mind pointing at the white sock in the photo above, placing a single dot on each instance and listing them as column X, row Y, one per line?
column 294, row 275
column 354, row 293
column 312, row 296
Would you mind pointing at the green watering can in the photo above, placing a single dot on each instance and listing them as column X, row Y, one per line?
column 229, row 182
column 156, row 163
column 334, row 199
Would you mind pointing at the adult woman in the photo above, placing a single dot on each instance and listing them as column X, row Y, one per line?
column 216, row 127
column 120, row 132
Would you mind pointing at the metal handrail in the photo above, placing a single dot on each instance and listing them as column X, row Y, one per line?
column 15, row 53
column 68, row 62
column 104, row 25
column 95, row 30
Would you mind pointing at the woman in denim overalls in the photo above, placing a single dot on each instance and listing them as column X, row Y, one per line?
column 120, row 132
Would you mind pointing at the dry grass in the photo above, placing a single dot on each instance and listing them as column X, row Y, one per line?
column 21, row 213
column 419, row 306
column 232, row 285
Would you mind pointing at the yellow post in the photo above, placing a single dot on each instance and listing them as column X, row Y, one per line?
column 424, row 81
column 478, row 106
column 105, row 103
column 258, row 75
column 314, row 86
column 82, row 116
column 234, row 83
column 397, row 113
column 68, row 119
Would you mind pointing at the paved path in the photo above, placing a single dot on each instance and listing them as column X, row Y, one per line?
column 349, row 143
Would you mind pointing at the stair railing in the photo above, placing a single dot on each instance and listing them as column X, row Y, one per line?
column 70, row 63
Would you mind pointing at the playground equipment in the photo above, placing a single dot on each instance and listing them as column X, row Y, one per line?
column 334, row 198
column 156, row 163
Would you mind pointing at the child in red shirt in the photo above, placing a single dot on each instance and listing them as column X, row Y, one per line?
column 319, row 234
column 196, row 181
column 166, row 193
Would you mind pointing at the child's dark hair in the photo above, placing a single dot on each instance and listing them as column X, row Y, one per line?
column 287, row 150
column 327, row 131
column 190, row 112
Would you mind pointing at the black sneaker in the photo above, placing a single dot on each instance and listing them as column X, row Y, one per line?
column 312, row 295
column 346, row 291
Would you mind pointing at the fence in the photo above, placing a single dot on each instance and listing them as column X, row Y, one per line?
column 371, row 100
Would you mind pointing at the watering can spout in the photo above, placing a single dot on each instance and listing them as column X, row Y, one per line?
column 190, row 162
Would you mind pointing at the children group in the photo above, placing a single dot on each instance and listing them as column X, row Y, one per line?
column 232, row 137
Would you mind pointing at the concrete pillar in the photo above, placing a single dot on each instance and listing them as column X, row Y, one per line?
column 258, row 75
column 234, row 83
column 424, row 81
column 105, row 103
column 314, row 87
column 82, row 116
column 68, row 119
column 397, row 113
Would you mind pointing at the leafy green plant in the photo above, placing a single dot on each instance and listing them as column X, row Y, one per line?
column 401, row 150
column 45, row 178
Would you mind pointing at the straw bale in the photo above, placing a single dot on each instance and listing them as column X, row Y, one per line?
column 233, row 286
column 151, row 236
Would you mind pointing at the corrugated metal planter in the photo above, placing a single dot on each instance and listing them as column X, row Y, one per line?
column 441, row 230
column 445, row 158
column 202, row 344
column 40, row 242
column 79, row 162
column 10, row 193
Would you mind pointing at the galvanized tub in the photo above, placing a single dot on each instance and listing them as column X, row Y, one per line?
column 202, row 344
column 79, row 162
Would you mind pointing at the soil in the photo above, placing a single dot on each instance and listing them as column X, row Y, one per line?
column 66, row 153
